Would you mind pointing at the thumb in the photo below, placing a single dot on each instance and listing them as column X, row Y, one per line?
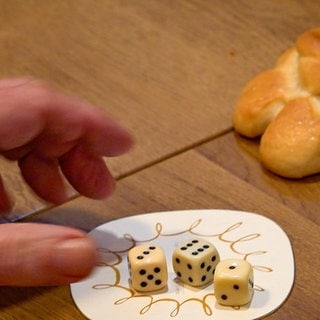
column 39, row 254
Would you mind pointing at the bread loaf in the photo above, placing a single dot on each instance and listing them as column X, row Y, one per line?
column 282, row 105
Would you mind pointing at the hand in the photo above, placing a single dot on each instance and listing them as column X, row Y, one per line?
column 49, row 134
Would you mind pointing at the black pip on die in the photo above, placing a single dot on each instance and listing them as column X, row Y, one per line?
column 147, row 268
column 233, row 282
column 194, row 262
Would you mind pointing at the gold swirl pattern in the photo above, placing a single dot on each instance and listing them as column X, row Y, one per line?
column 207, row 306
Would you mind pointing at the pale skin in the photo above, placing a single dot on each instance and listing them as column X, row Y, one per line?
column 47, row 133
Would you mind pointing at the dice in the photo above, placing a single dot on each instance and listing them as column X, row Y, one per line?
column 147, row 268
column 194, row 262
column 233, row 282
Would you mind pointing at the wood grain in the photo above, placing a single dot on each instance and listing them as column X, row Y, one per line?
column 241, row 157
column 170, row 71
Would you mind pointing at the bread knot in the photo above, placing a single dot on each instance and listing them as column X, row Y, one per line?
column 281, row 105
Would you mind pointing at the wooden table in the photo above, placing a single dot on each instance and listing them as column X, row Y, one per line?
column 170, row 71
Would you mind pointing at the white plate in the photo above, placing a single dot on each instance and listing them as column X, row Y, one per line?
column 106, row 294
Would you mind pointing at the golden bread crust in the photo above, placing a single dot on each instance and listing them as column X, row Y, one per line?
column 259, row 103
column 282, row 106
column 290, row 146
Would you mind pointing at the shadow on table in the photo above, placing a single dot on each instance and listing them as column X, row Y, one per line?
column 83, row 219
column 17, row 295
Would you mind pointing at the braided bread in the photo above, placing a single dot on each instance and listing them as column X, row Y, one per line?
column 282, row 105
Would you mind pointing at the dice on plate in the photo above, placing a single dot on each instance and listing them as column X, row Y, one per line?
column 233, row 282
column 194, row 262
column 147, row 268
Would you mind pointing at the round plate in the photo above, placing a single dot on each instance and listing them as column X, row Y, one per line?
column 106, row 293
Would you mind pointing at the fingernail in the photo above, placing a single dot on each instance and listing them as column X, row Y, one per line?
column 75, row 257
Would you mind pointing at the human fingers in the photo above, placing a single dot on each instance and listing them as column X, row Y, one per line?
column 41, row 128
column 87, row 173
column 40, row 254
column 44, row 177
column 36, row 115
